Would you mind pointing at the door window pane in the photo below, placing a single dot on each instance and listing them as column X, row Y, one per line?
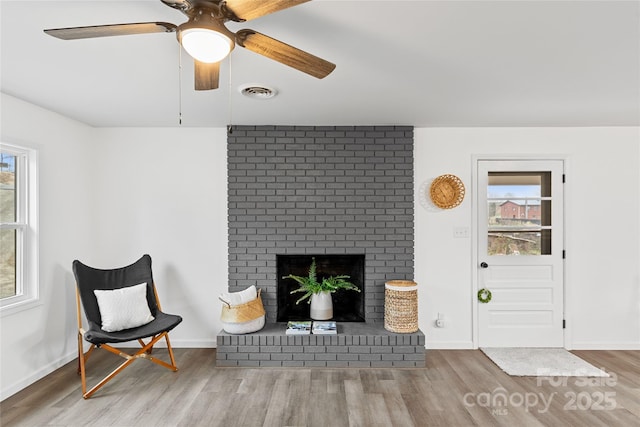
column 519, row 213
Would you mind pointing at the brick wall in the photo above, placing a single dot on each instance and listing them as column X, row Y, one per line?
column 320, row 190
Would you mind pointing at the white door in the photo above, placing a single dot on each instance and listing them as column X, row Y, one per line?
column 520, row 253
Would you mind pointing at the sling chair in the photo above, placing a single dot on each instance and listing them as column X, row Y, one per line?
column 120, row 305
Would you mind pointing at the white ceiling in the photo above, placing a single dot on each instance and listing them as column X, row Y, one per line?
column 421, row 63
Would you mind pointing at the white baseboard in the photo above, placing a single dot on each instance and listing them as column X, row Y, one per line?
column 37, row 375
column 206, row 343
column 449, row 345
column 590, row 345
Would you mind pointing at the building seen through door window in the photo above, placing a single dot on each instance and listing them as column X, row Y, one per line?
column 519, row 213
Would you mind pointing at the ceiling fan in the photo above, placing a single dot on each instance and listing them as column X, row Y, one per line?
column 206, row 38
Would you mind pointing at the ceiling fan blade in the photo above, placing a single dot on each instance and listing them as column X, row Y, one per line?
column 251, row 9
column 206, row 75
column 75, row 33
column 283, row 53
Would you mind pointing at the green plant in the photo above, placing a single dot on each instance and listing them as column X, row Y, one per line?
column 310, row 284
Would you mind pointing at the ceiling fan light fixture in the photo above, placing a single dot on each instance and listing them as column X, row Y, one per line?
column 206, row 45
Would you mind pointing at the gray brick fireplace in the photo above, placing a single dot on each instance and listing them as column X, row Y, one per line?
column 320, row 190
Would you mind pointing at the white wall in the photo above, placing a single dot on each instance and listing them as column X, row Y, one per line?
column 163, row 191
column 37, row 340
column 602, row 230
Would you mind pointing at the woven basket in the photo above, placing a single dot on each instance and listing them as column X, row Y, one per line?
column 401, row 306
column 243, row 318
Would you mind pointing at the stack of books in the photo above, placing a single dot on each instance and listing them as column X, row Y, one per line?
column 325, row 328
column 299, row 327
column 306, row 327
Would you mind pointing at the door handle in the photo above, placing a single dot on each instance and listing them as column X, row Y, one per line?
column 484, row 265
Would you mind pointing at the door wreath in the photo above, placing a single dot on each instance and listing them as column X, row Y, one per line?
column 484, row 295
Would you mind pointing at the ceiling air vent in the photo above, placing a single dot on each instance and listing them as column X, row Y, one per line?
column 258, row 92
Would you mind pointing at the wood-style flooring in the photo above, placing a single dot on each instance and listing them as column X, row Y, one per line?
column 455, row 388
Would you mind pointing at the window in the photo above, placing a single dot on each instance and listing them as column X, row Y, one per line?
column 18, row 228
column 528, row 230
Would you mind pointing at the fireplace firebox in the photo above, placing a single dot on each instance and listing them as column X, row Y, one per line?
column 348, row 306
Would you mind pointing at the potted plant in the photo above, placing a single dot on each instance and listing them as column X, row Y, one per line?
column 318, row 292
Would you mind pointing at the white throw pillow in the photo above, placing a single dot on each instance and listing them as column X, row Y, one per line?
column 237, row 298
column 123, row 308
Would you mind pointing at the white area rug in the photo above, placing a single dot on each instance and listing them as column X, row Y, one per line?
column 541, row 362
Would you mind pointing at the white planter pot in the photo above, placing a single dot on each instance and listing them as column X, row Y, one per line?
column 321, row 306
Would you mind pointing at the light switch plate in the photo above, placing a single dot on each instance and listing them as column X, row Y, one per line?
column 461, row 232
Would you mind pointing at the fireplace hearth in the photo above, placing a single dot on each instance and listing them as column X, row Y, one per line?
column 348, row 306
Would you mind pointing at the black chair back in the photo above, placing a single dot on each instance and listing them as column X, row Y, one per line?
column 89, row 279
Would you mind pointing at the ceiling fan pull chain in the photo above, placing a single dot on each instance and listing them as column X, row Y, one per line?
column 230, row 94
column 179, row 85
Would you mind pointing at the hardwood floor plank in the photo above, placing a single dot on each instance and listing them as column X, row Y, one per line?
column 455, row 388
column 248, row 405
column 289, row 401
column 328, row 399
column 398, row 412
column 26, row 416
column 378, row 413
column 356, row 407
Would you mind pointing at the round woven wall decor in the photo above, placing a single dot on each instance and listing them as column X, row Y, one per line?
column 447, row 191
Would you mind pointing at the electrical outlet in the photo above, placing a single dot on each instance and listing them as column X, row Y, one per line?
column 461, row 232
column 440, row 320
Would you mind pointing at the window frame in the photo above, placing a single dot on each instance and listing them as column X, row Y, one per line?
column 26, row 226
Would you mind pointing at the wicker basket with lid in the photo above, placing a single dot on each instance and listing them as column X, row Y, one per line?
column 401, row 306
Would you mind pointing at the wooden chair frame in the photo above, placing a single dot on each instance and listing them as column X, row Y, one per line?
column 142, row 353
